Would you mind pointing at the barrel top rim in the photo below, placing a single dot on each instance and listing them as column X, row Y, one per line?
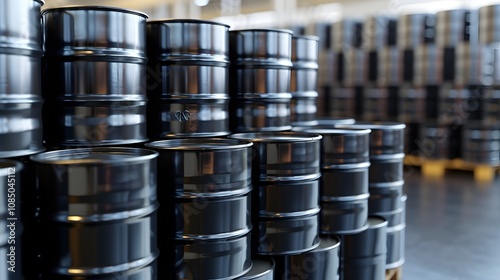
column 332, row 130
column 187, row 20
column 276, row 137
column 5, row 164
column 331, row 245
column 95, row 8
column 306, row 37
column 375, row 125
column 490, row 6
column 70, row 157
column 264, row 263
column 277, row 30
column 376, row 222
column 198, row 144
column 40, row 1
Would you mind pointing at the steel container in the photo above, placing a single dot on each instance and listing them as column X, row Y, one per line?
column 481, row 143
column 456, row 105
column 379, row 31
column 287, row 236
column 395, row 234
column 284, row 156
column 415, row 29
column 99, row 31
column 289, row 199
column 456, row 26
column 21, row 129
column 354, row 68
column 489, row 74
column 20, row 75
column 385, row 198
column 261, row 47
column 215, row 259
column 488, row 22
column 105, row 193
column 320, row 263
column 428, row 65
column 188, row 117
column 90, row 122
column 304, row 78
column 199, row 42
column 491, row 105
column 82, row 76
column 345, row 102
column 261, row 63
column 364, row 254
column 389, row 67
column 327, row 67
column 411, row 104
column 376, row 105
column 386, row 170
column 440, row 141
column 346, row 34
column 386, row 138
column 262, row 269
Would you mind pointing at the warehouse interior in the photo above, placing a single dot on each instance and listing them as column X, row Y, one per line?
column 414, row 85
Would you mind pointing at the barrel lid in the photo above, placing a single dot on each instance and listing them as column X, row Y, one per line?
column 197, row 144
column 277, row 137
column 377, row 125
column 305, row 37
column 93, row 156
column 328, row 130
column 327, row 243
column 94, row 8
column 260, row 267
column 187, row 20
column 261, row 30
column 376, row 222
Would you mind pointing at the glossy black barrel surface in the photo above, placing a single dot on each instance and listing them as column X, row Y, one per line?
column 105, row 193
column 262, row 269
column 481, row 143
column 364, row 254
column 415, row 29
column 188, row 74
column 283, row 156
column 320, row 263
column 261, row 64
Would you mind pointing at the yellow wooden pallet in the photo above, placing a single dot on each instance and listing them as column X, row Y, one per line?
column 394, row 274
column 438, row 167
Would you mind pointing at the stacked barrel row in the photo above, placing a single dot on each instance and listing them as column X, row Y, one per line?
column 187, row 79
column 286, row 173
column 93, row 65
column 434, row 72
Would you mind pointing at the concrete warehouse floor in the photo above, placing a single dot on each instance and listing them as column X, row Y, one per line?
column 453, row 228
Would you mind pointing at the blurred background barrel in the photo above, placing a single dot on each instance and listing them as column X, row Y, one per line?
column 97, row 213
column 188, row 78
column 20, row 78
column 304, row 79
column 93, row 70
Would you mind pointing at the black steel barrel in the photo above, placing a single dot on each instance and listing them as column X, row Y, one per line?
column 411, row 104
column 344, row 181
column 364, row 254
column 380, row 31
column 204, row 190
column 97, row 56
column 344, row 102
column 481, row 143
column 187, row 78
column 491, row 105
column 440, row 141
column 304, row 79
column 488, row 23
column 261, row 63
column 98, row 212
column 320, row 263
column 285, row 204
column 20, row 78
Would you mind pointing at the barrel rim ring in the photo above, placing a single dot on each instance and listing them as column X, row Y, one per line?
column 186, row 20
column 94, row 8
column 198, row 144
